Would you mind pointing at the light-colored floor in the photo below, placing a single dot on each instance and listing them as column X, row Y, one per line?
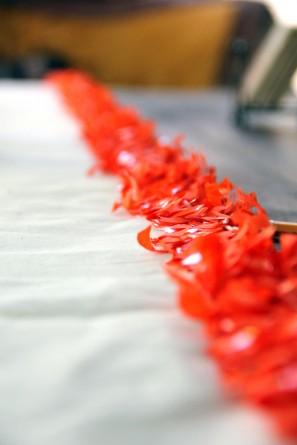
column 93, row 348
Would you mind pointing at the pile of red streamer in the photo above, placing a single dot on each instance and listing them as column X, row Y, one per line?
column 228, row 271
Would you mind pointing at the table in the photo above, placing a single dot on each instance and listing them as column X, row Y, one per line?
column 93, row 348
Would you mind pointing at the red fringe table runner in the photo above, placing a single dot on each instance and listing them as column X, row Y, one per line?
column 228, row 271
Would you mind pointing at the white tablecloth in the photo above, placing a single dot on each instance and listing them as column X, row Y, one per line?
column 93, row 350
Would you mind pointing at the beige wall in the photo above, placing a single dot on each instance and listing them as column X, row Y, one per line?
column 181, row 46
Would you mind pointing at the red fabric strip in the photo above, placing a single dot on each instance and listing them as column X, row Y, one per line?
column 228, row 272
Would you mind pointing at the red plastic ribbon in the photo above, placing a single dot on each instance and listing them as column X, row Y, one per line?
column 228, row 272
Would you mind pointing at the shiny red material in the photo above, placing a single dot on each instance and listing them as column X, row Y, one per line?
column 228, row 272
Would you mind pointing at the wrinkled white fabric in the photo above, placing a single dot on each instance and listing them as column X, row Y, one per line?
column 93, row 350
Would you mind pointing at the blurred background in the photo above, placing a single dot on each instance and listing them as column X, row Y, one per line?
column 167, row 43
